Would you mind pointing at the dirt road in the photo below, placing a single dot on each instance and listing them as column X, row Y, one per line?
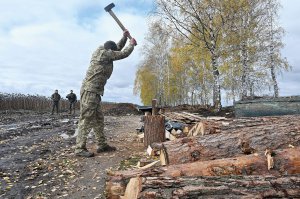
column 37, row 155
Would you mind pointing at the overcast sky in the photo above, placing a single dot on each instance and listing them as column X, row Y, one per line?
column 47, row 45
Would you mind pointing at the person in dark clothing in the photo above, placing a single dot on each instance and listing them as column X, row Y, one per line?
column 55, row 101
column 72, row 100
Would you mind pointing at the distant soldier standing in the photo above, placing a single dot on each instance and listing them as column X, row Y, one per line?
column 55, row 101
column 99, row 71
column 72, row 100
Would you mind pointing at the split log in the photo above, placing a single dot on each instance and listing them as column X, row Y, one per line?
column 232, row 143
column 217, row 187
column 154, row 129
column 197, row 129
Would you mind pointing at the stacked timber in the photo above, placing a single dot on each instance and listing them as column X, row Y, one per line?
column 240, row 158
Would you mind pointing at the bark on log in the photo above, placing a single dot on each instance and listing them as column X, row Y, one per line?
column 220, row 187
column 154, row 129
column 216, row 124
column 286, row 161
column 232, row 143
column 211, row 126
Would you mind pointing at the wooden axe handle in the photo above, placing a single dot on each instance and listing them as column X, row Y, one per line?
column 118, row 22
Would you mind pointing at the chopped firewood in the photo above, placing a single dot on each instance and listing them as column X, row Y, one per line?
column 151, row 164
column 172, row 137
column 133, row 189
column 144, row 162
column 150, row 151
column 197, row 129
column 173, row 132
column 167, row 135
column 177, row 133
column 141, row 138
column 163, row 158
column 186, row 130
column 270, row 159
column 291, row 146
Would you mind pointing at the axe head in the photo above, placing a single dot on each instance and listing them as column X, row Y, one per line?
column 109, row 7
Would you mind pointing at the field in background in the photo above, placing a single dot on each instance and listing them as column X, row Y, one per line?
column 16, row 102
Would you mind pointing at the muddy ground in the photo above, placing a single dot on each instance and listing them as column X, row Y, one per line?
column 37, row 155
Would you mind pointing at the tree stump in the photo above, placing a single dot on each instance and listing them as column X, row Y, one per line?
column 154, row 129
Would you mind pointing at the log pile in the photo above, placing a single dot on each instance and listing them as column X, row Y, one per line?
column 229, row 158
column 215, row 187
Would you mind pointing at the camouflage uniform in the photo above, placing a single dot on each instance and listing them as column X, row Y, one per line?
column 72, row 100
column 55, row 102
column 99, row 71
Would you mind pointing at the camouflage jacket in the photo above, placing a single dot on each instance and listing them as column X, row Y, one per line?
column 55, row 97
column 101, row 66
column 72, row 97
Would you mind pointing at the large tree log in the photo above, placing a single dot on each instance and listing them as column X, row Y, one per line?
column 211, row 125
column 154, row 129
column 232, row 143
column 218, row 187
column 286, row 161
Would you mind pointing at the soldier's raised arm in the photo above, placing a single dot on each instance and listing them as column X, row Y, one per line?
column 122, row 42
column 117, row 55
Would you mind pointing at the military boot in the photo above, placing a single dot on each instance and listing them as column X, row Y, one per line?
column 105, row 148
column 84, row 153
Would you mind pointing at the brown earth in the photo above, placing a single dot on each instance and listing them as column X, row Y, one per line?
column 37, row 155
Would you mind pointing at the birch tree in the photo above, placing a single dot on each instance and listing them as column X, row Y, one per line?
column 203, row 21
column 273, row 43
column 155, row 62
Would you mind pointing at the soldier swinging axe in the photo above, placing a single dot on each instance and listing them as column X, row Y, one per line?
column 109, row 10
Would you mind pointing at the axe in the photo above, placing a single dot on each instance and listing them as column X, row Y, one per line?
column 109, row 10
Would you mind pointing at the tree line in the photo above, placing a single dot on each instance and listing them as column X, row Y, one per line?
column 196, row 49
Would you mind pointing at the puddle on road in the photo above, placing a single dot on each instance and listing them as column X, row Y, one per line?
column 9, row 127
column 64, row 120
column 68, row 136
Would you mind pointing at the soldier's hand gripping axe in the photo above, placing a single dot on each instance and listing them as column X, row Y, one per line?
column 109, row 10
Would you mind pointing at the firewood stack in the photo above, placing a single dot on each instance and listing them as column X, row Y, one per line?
column 219, row 158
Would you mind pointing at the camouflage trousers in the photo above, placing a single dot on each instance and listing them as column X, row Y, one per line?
column 72, row 107
column 55, row 105
column 91, row 117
